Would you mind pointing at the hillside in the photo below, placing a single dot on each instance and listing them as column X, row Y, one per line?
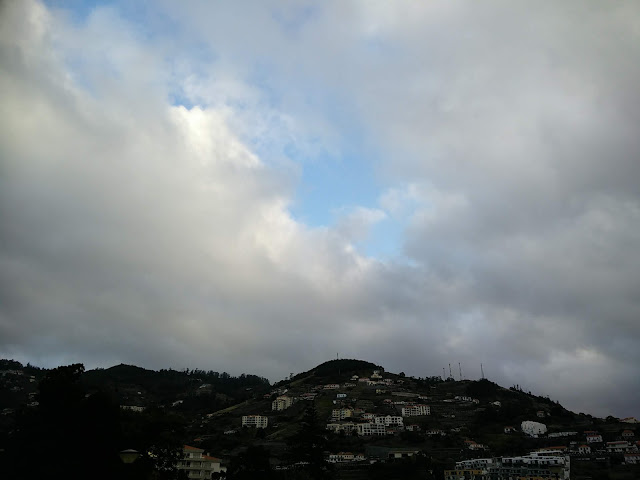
column 454, row 421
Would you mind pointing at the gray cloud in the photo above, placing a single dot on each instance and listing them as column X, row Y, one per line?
column 137, row 231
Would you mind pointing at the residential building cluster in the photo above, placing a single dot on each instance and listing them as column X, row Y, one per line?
column 538, row 465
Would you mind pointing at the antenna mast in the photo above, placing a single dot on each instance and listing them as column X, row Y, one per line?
column 450, row 374
column 482, row 371
column 444, row 375
column 460, row 368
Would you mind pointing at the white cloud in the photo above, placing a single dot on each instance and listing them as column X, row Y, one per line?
column 137, row 230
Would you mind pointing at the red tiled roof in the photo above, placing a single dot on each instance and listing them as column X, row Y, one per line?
column 187, row 447
column 214, row 459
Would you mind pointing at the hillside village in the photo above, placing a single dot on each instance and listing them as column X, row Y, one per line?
column 372, row 422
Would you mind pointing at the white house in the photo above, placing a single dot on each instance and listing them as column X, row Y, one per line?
column 632, row 458
column 341, row 457
column 198, row 465
column 584, row 450
column 621, row 446
column 257, row 421
column 533, row 429
column 594, row 438
column 346, row 427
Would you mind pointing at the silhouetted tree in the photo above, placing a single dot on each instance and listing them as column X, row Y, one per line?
column 309, row 444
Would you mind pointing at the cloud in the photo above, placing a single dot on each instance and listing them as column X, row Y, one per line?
column 148, row 172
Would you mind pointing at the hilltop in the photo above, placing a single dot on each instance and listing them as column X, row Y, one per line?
column 439, row 421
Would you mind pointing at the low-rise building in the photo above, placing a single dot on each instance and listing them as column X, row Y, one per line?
column 341, row 457
column 561, row 434
column 632, row 458
column 593, row 438
column 621, row 446
column 133, row 408
column 533, row 429
column 584, row 449
column 337, row 427
column 198, row 465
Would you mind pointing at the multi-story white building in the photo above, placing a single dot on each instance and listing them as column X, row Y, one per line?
column 369, row 429
column 389, row 420
column 528, row 466
column 415, row 410
column 198, row 465
column 257, row 421
column 341, row 413
column 281, row 403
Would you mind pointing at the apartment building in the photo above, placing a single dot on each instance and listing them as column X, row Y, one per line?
column 197, row 464
column 389, row 420
column 370, row 429
column 415, row 410
column 257, row 421
column 281, row 403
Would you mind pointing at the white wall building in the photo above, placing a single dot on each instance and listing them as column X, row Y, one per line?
column 346, row 427
column 533, row 429
column 341, row 413
column 281, row 403
column 257, row 421
column 389, row 420
column 198, row 465
column 369, row 429
column 415, row 410
column 341, row 457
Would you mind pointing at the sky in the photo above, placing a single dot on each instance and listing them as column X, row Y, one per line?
column 258, row 187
